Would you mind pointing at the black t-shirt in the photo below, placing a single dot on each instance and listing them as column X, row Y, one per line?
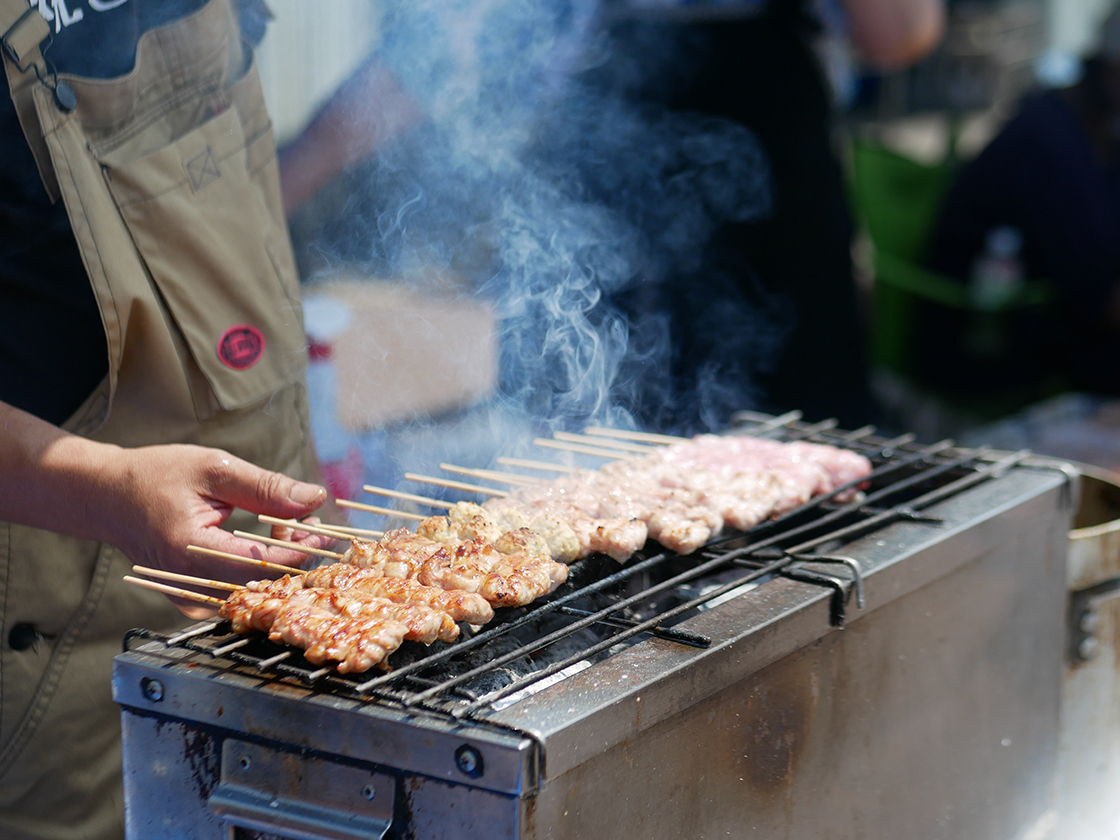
column 1040, row 175
column 52, row 344
column 774, row 304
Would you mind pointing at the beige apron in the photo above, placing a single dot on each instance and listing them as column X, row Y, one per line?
column 169, row 178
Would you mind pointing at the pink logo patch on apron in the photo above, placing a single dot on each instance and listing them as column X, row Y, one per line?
column 241, row 346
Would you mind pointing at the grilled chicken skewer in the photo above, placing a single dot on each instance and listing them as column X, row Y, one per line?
column 461, row 606
column 424, row 622
column 505, row 579
column 513, row 570
column 393, row 576
column 356, row 644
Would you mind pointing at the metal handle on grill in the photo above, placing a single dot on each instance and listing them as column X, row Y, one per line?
column 294, row 796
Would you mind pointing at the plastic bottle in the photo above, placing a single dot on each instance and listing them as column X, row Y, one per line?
column 339, row 452
column 997, row 274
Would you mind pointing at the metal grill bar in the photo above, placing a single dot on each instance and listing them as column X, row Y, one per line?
column 902, row 512
column 527, row 618
column 604, row 645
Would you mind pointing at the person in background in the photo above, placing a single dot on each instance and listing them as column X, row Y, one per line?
column 151, row 364
column 1049, row 180
column 757, row 64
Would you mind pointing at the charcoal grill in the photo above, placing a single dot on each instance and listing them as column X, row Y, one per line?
column 883, row 667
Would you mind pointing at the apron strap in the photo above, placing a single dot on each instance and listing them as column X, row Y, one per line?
column 23, row 30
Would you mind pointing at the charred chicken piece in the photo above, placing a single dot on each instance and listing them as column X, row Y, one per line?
column 425, row 623
column 513, row 570
column 356, row 644
column 461, row 606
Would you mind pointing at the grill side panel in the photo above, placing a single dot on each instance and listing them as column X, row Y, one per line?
column 198, row 783
column 936, row 715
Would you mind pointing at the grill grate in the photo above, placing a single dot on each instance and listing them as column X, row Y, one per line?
column 604, row 606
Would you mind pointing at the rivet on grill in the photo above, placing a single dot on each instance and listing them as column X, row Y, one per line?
column 469, row 761
column 245, row 762
column 1088, row 648
column 152, row 689
column 369, row 791
column 1089, row 622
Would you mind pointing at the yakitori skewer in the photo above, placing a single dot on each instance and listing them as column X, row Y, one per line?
column 349, row 531
column 402, row 514
column 178, row 578
column 455, row 485
column 504, row 580
column 318, row 623
column 603, row 442
column 175, row 590
column 425, row 623
column 492, row 475
column 294, row 546
column 335, row 531
column 248, row 561
column 645, row 437
column 535, row 465
column 408, row 497
column 549, row 443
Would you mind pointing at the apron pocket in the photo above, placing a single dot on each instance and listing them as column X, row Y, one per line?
column 207, row 239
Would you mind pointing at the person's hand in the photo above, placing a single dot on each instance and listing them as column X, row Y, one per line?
column 154, row 501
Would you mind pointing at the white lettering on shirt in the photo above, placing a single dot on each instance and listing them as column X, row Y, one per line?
column 59, row 13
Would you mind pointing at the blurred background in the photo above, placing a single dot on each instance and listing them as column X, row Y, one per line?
column 410, row 357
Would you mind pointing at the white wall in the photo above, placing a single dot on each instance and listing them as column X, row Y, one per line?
column 311, row 47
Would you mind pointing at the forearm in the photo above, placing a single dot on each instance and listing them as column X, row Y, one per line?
column 151, row 502
column 892, row 34
column 367, row 112
column 50, row 478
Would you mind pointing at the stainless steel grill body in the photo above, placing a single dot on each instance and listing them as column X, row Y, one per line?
column 933, row 713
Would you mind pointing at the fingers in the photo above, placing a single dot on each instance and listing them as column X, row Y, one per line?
column 241, row 484
column 191, row 609
column 171, row 497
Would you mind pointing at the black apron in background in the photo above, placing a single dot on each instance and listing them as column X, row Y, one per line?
column 795, row 264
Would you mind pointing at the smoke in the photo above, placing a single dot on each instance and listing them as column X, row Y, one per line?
column 588, row 219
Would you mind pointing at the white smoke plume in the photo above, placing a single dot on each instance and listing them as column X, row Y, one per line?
column 583, row 217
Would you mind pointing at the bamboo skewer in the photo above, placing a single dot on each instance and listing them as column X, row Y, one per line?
column 178, row 578
column 249, row 561
column 493, row 475
column 408, row 497
column 403, row 514
column 613, row 444
column 176, row 591
column 549, row 443
column 536, row 465
column 318, row 552
column 349, row 532
column 456, row 485
column 325, row 530
column 646, row 437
